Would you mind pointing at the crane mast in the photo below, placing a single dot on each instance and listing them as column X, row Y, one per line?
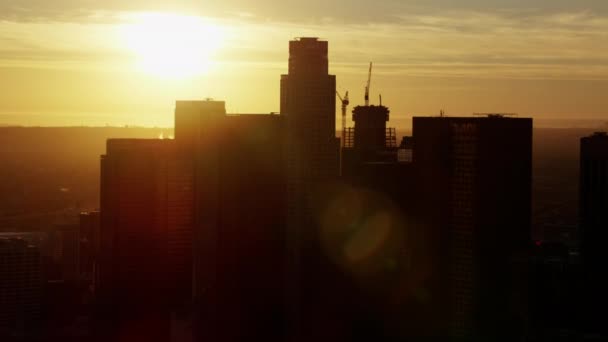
column 369, row 80
column 344, row 100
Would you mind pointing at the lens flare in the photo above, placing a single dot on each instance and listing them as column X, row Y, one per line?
column 362, row 232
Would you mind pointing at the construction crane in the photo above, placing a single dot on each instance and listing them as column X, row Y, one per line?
column 344, row 100
column 369, row 80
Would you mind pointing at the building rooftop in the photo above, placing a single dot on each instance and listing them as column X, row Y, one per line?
column 470, row 118
column 307, row 39
column 253, row 114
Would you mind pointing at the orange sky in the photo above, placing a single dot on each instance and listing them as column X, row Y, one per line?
column 76, row 64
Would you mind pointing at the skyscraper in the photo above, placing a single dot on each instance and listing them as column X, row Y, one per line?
column 475, row 197
column 197, row 134
column 593, row 202
column 594, row 197
column 144, row 209
column 308, row 104
column 240, row 206
column 311, row 151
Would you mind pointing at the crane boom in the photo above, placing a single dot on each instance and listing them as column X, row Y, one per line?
column 369, row 80
column 340, row 97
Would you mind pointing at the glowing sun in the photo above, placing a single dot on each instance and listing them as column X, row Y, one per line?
column 172, row 45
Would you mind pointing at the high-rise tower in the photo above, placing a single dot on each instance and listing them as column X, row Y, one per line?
column 237, row 237
column 308, row 103
column 594, row 198
column 593, row 202
column 474, row 177
column 312, row 149
column 145, row 249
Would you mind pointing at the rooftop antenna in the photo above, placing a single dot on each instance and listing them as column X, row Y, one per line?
column 441, row 113
column 380, row 96
column 369, row 80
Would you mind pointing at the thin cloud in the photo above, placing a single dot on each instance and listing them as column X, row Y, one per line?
column 498, row 44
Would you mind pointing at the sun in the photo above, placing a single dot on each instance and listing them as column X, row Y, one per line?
column 172, row 45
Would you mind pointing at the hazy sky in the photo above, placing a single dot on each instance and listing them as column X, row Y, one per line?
column 123, row 62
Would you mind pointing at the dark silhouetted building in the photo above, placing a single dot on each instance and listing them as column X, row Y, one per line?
column 593, row 201
column 311, row 148
column 370, row 130
column 474, row 177
column 369, row 141
column 594, row 198
column 240, row 222
column 145, row 210
column 556, row 308
column 190, row 118
column 21, row 288
column 195, row 138
column 379, row 201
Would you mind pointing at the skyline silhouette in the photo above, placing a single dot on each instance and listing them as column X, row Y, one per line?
column 297, row 195
column 183, row 228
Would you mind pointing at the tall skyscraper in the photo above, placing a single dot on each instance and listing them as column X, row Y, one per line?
column 191, row 125
column 21, row 286
column 145, row 260
column 593, row 211
column 594, row 198
column 308, row 103
column 239, row 201
column 474, row 175
column 197, row 133
column 311, row 151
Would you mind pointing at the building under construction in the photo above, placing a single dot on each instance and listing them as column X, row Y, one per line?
column 378, row 174
column 370, row 140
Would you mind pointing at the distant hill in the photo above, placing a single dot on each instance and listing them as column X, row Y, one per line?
column 53, row 168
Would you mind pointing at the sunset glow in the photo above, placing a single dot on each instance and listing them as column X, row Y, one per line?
column 71, row 62
column 172, row 45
